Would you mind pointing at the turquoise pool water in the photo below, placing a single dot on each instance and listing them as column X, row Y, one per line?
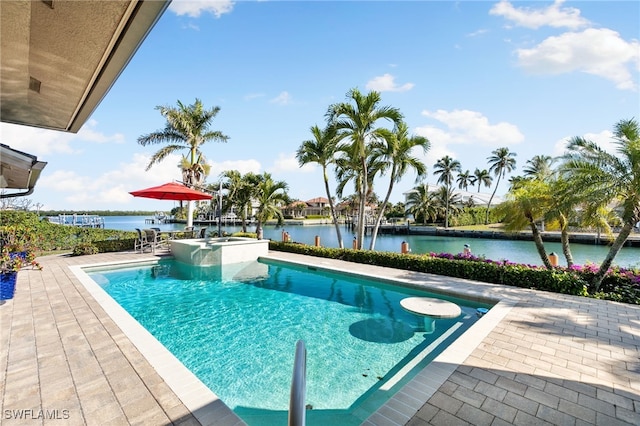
column 235, row 327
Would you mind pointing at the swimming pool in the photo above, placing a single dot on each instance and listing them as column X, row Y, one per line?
column 236, row 330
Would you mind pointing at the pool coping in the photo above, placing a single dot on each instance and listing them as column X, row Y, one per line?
column 203, row 403
column 209, row 409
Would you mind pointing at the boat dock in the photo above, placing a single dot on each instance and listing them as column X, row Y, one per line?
column 158, row 219
column 79, row 220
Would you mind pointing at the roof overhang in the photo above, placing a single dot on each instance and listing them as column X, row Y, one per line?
column 18, row 170
column 59, row 57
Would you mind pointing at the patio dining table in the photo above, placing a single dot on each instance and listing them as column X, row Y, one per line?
column 171, row 235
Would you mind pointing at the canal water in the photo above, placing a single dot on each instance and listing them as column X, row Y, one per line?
column 512, row 250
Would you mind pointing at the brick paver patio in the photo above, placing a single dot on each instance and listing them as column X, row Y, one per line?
column 551, row 359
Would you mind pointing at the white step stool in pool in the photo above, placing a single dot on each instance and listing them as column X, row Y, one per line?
column 431, row 309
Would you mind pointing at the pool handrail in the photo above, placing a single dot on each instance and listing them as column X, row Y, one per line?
column 297, row 408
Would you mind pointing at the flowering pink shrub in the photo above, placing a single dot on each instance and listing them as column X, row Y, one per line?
column 617, row 280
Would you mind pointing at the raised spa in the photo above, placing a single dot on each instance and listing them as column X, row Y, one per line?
column 218, row 251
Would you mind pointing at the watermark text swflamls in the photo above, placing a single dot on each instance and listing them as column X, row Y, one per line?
column 30, row 414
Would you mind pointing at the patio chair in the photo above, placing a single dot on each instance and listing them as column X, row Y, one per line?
column 154, row 239
column 141, row 243
column 203, row 232
column 189, row 231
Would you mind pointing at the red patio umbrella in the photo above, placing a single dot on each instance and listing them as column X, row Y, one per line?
column 172, row 191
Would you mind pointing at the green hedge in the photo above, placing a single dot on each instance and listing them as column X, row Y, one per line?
column 245, row 234
column 620, row 284
column 114, row 245
column 474, row 216
column 46, row 236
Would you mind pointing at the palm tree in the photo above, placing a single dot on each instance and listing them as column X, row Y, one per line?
column 350, row 203
column 447, row 197
column 356, row 121
column 187, row 128
column 525, row 204
column 396, row 151
column 539, row 167
column 601, row 178
column 482, row 177
column 422, row 202
column 465, row 180
column 233, row 185
column 561, row 208
column 516, row 181
column 241, row 192
column 603, row 220
column 194, row 174
column 215, row 205
column 445, row 167
column 555, row 198
column 269, row 195
column 321, row 149
column 501, row 162
column 347, row 166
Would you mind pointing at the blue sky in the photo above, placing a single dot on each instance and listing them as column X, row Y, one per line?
column 471, row 76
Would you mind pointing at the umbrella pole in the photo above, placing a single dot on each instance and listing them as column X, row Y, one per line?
column 189, row 213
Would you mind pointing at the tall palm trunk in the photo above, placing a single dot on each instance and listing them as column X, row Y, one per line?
column 332, row 207
column 259, row 231
column 537, row 239
column 564, row 238
column 363, row 202
column 613, row 251
column 486, row 218
column 446, row 211
column 243, row 218
column 376, row 225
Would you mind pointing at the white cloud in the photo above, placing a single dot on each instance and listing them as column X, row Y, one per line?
column 36, row 141
column 62, row 181
column 464, row 128
column 386, row 83
column 110, row 189
column 284, row 98
column 435, row 135
column 553, row 15
column 42, row 142
column 116, row 195
column 289, row 162
column 193, row 9
column 439, row 146
column 600, row 52
column 470, row 127
column 88, row 133
column 134, row 171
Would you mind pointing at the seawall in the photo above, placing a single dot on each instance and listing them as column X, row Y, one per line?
column 577, row 238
